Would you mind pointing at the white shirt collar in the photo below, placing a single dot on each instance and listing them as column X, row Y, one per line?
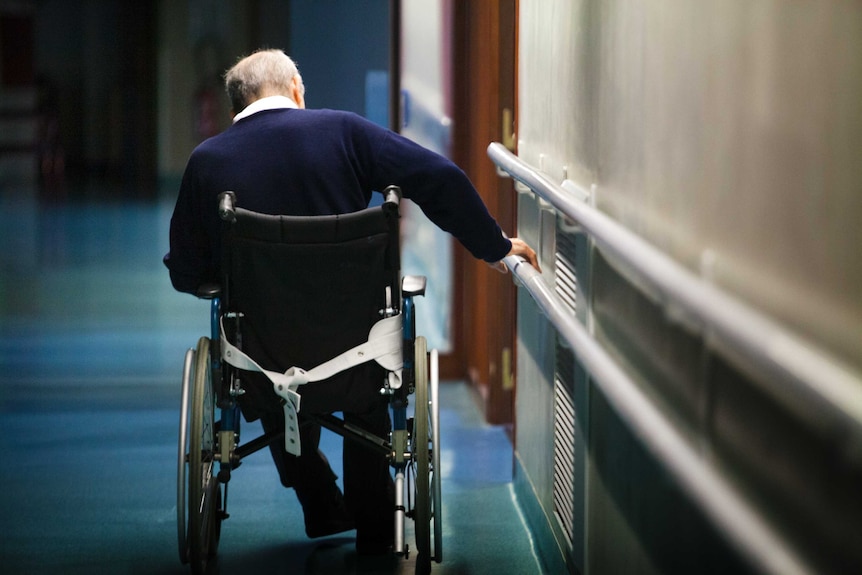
column 268, row 103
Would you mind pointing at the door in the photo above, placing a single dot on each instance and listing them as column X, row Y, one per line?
column 484, row 76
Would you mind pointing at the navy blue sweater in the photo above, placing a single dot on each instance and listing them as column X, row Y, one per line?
column 315, row 162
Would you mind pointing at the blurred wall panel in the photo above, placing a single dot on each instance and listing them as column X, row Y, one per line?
column 728, row 134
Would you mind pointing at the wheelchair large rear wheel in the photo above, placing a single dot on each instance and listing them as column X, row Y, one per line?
column 436, row 470
column 204, row 500
column 426, row 451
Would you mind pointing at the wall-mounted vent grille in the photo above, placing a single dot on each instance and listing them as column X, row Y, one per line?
column 565, row 423
column 566, row 281
column 565, row 437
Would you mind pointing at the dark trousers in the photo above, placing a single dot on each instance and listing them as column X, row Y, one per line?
column 368, row 485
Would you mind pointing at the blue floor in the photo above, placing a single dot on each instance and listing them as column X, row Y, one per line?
column 91, row 344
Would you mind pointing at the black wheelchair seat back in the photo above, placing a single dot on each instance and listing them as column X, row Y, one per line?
column 308, row 289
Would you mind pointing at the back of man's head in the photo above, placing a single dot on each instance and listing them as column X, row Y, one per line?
column 263, row 73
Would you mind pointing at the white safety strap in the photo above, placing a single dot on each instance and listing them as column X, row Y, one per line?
column 383, row 346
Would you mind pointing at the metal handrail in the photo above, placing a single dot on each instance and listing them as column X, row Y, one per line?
column 729, row 511
column 797, row 372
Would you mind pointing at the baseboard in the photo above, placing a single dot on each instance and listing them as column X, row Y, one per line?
column 548, row 549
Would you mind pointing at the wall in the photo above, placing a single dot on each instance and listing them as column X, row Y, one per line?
column 200, row 39
column 335, row 45
column 96, row 59
column 726, row 133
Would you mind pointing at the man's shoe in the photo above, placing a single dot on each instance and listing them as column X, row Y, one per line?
column 330, row 519
column 374, row 548
column 329, row 527
column 376, row 539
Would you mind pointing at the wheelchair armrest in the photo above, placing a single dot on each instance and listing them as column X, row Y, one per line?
column 413, row 285
column 208, row 291
column 226, row 206
column 392, row 195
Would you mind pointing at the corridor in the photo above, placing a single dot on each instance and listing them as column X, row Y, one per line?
column 92, row 338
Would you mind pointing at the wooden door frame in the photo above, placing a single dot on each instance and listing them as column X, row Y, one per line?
column 484, row 61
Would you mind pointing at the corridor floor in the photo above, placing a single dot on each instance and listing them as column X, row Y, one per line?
column 92, row 339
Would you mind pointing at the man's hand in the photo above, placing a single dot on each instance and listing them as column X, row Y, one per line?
column 519, row 248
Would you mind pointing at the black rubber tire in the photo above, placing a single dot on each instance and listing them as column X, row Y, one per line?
column 204, row 492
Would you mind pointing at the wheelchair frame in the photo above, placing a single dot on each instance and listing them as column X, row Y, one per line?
column 412, row 448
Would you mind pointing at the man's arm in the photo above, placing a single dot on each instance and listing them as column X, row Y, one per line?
column 519, row 248
column 443, row 192
column 190, row 258
column 449, row 199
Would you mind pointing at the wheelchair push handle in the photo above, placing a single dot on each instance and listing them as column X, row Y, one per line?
column 226, row 202
column 392, row 195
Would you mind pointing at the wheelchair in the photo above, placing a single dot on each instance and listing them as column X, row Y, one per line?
column 351, row 264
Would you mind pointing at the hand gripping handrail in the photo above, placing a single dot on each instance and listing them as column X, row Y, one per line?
column 831, row 391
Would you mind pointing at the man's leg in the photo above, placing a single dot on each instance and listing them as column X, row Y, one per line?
column 311, row 477
column 368, row 486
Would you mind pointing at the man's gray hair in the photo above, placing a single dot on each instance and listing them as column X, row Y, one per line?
column 271, row 70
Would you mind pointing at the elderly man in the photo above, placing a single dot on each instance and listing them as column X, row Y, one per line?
column 281, row 158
